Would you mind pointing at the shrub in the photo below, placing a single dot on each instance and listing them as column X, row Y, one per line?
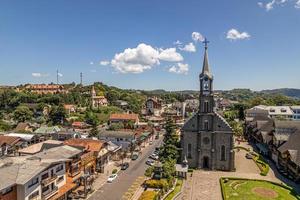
column 114, row 171
column 149, row 171
column 243, row 148
column 148, row 195
column 157, row 184
column 262, row 165
column 190, row 170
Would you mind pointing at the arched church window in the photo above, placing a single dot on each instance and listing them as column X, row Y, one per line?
column 223, row 151
column 189, row 151
column 206, row 125
column 206, row 106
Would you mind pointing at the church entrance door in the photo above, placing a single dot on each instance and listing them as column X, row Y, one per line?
column 205, row 162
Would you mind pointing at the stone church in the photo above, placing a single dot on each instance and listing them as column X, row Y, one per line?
column 206, row 138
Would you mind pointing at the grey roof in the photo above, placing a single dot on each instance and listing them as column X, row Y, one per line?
column 117, row 134
column 206, row 68
column 293, row 147
column 22, row 169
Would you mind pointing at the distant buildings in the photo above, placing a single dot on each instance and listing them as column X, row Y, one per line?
column 153, row 106
column 279, row 140
column 98, row 101
column 124, row 118
column 278, row 112
column 45, row 88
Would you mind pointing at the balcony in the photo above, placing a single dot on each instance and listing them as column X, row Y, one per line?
column 48, row 193
column 49, row 180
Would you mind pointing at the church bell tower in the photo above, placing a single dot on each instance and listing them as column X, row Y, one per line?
column 206, row 99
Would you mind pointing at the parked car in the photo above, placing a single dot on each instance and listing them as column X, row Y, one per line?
column 249, row 156
column 154, row 156
column 134, row 156
column 150, row 162
column 124, row 166
column 111, row 178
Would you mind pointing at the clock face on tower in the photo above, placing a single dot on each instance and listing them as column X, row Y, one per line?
column 205, row 85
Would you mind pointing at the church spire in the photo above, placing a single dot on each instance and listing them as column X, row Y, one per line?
column 205, row 68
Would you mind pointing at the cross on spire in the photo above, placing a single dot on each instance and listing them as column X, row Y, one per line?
column 205, row 42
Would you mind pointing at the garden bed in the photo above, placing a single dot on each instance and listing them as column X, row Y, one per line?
column 253, row 189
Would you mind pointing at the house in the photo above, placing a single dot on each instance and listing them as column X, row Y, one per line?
column 296, row 112
column 65, row 135
column 70, row 108
column 124, row 118
column 10, row 144
column 126, row 139
column 98, row 101
column 153, row 106
column 97, row 147
column 23, row 127
column 28, row 138
column 122, row 104
column 39, row 147
column 42, row 176
column 114, row 151
column 278, row 112
column 45, row 88
column 79, row 125
column 260, row 132
column 47, row 131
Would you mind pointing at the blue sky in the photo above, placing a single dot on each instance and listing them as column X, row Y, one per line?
column 253, row 43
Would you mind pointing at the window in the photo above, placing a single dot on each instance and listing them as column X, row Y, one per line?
column 206, row 125
column 223, row 151
column 189, row 151
column 206, row 105
column 34, row 195
column 33, row 182
column 59, row 168
column 7, row 190
column 60, row 179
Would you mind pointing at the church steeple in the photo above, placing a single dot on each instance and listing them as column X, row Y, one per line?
column 206, row 100
column 206, row 68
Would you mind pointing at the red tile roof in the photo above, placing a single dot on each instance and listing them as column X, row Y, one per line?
column 8, row 140
column 88, row 144
column 124, row 116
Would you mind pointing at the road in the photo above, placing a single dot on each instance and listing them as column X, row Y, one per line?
column 115, row 190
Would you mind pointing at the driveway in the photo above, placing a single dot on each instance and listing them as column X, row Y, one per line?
column 115, row 190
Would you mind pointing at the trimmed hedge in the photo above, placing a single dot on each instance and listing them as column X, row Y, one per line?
column 157, row 184
column 222, row 179
column 148, row 195
column 262, row 165
column 241, row 147
column 114, row 171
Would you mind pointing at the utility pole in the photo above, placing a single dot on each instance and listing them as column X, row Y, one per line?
column 81, row 78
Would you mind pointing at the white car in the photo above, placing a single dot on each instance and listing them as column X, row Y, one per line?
column 154, row 156
column 111, row 178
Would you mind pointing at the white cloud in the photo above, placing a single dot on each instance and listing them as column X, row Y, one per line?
column 38, row 75
column 170, row 55
column 197, row 37
column 270, row 5
column 297, row 5
column 260, row 4
column 104, row 62
column 91, row 63
column 177, row 42
column 180, row 68
column 60, row 74
column 188, row 47
column 234, row 34
column 136, row 60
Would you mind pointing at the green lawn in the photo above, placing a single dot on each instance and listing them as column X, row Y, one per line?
column 244, row 189
column 175, row 191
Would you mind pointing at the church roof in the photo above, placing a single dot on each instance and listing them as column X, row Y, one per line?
column 205, row 67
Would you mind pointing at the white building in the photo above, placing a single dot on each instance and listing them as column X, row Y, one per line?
column 296, row 111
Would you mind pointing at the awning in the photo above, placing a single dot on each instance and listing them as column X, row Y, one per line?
column 63, row 190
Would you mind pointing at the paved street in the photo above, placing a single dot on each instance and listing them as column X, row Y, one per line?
column 115, row 190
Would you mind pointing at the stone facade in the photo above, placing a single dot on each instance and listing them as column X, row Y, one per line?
column 206, row 138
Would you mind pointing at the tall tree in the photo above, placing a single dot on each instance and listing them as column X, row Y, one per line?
column 22, row 113
column 57, row 115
